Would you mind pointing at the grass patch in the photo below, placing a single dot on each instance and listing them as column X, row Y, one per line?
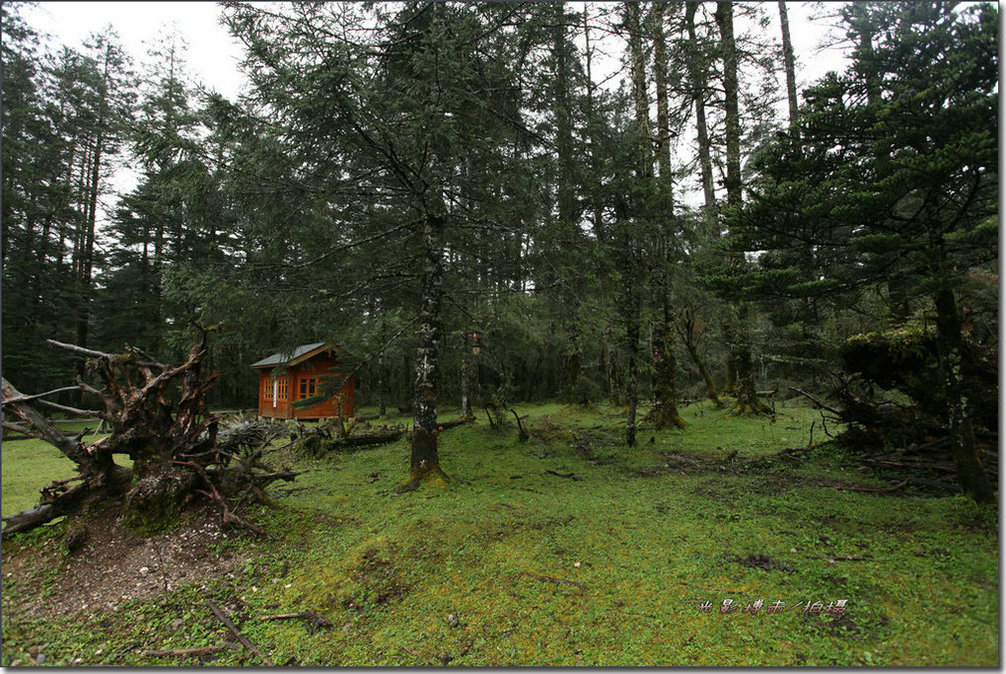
column 639, row 538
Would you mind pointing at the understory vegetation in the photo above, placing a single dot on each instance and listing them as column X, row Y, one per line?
column 565, row 549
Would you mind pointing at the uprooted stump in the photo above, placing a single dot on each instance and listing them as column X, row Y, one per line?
column 158, row 417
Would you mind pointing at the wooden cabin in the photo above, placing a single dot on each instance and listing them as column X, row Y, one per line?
column 304, row 368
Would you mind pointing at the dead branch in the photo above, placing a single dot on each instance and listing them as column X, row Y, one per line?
column 23, row 398
column 130, row 354
column 314, row 620
column 226, row 514
column 817, row 402
column 456, row 422
column 554, row 581
column 877, row 490
column 67, row 408
column 571, row 476
column 29, row 519
column 38, row 426
column 522, row 434
column 234, row 630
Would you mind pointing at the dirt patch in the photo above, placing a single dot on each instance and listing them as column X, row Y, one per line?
column 858, row 628
column 374, row 580
column 99, row 564
column 760, row 561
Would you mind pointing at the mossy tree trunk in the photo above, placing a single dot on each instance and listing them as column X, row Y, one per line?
column 579, row 391
column 631, row 376
column 745, row 392
column 665, row 413
column 730, row 383
column 689, row 328
column 949, row 344
column 425, row 460
column 466, row 379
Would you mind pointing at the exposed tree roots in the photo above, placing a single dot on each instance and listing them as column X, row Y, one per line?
column 158, row 417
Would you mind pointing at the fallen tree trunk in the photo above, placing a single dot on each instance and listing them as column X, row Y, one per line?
column 320, row 440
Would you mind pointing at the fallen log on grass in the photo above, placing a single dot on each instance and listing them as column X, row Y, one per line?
column 320, row 440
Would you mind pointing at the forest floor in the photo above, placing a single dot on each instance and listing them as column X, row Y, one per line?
column 568, row 549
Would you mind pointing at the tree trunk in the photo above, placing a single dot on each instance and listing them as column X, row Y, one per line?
column 577, row 393
column 789, row 64
column 466, row 378
column 730, row 384
column 665, row 413
column 631, row 378
column 746, row 393
column 663, row 119
column 698, row 77
column 725, row 22
column 711, row 391
column 970, row 474
column 638, row 71
column 610, row 367
column 425, row 461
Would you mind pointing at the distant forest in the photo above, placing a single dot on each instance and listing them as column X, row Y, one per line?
column 451, row 194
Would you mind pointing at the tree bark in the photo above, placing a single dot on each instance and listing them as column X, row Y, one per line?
column 789, row 63
column 466, row 378
column 725, row 22
column 631, row 316
column 663, row 142
column 425, row 460
column 970, row 474
column 638, row 71
column 746, row 393
column 665, row 413
column 697, row 75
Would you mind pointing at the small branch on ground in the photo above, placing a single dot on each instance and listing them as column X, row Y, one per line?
column 314, row 620
column 877, row 490
column 571, row 476
column 234, row 630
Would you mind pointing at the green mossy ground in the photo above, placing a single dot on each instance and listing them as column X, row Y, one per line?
column 643, row 531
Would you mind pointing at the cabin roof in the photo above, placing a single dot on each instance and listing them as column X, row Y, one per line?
column 297, row 355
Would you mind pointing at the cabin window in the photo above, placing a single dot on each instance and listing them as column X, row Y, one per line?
column 308, row 387
column 267, row 389
column 283, row 389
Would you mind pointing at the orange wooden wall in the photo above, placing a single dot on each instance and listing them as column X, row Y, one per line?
column 295, row 385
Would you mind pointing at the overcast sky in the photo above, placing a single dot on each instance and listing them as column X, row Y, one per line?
column 214, row 55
